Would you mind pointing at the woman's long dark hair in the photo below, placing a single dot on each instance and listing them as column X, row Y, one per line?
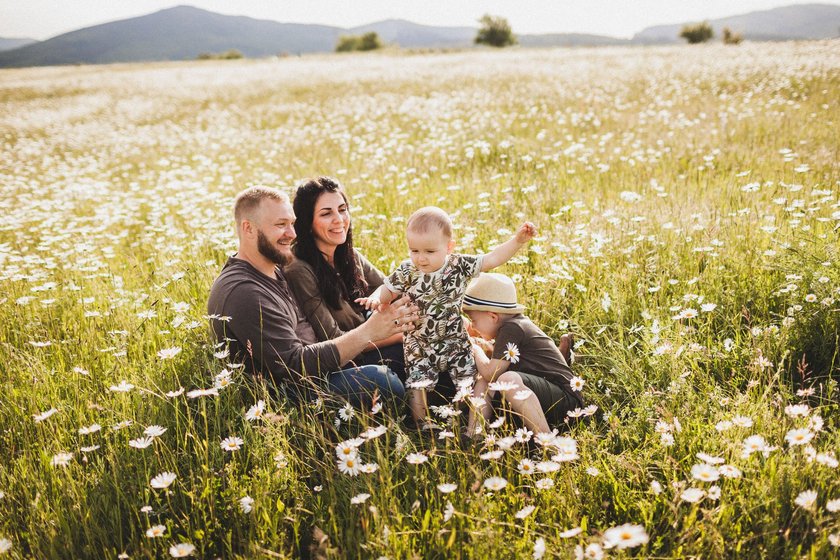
column 345, row 281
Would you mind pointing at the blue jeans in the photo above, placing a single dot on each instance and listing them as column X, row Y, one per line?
column 391, row 356
column 357, row 384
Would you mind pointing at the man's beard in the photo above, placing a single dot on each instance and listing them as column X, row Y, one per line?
column 269, row 251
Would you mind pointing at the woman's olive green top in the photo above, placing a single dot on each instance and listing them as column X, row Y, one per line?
column 328, row 322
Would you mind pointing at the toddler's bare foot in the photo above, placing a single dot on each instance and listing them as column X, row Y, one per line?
column 567, row 343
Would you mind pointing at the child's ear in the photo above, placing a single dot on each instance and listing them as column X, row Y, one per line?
column 494, row 316
column 450, row 246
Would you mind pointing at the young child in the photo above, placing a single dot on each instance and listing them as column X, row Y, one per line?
column 435, row 279
column 535, row 373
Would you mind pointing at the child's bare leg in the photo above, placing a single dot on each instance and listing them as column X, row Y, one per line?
column 528, row 409
column 480, row 390
column 418, row 405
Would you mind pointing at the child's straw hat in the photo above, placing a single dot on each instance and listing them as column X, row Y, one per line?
column 492, row 292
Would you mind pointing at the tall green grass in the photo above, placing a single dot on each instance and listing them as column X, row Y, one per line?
column 661, row 179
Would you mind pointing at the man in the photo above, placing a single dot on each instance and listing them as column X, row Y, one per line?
column 266, row 329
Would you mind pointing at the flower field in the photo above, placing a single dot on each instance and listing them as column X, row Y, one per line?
column 688, row 207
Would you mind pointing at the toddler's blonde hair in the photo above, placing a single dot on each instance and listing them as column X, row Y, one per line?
column 430, row 217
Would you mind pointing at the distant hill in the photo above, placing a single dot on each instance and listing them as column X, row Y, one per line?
column 569, row 40
column 408, row 34
column 803, row 21
column 179, row 33
column 184, row 32
column 8, row 43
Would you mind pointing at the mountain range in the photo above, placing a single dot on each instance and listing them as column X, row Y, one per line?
column 9, row 43
column 185, row 32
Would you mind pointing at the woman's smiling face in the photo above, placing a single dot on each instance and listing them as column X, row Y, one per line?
column 331, row 221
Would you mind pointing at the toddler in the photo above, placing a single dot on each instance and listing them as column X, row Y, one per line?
column 435, row 279
column 531, row 372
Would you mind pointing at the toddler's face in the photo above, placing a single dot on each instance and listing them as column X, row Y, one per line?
column 485, row 322
column 428, row 249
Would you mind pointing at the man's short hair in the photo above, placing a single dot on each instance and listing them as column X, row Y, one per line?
column 249, row 200
column 428, row 218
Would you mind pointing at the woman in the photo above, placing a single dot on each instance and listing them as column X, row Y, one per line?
column 328, row 274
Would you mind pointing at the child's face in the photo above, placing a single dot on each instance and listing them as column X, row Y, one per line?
column 485, row 322
column 428, row 249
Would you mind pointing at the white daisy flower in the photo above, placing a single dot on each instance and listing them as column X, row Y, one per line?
column 168, row 353
column 526, row 466
column 710, row 459
column 181, row 550
column 625, row 536
column 61, row 459
column 495, row 483
column 246, row 504
column 502, row 386
column 154, row 431
column 511, row 353
column 806, row 499
column 705, row 472
column 196, row 393
column 163, row 480
column 799, row 436
column 141, row 443
column 156, row 531
column 123, row 387
column 692, row 495
column 349, row 465
column 569, row 533
column 525, row 512
column 256, row 411
column 346, row 412
column 232, row 443
column 93, row 428
column 44, row 415
column 416, row 458
column 544, row 484
column 539, row 545
column 359, row 498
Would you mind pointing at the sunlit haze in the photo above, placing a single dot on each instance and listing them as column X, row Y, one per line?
column 42, row 19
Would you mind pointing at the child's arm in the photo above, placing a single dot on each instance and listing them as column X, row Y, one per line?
column 489, row 369
column 380, row 297
column 501, row 254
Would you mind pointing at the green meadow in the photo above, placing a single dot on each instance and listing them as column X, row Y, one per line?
column 688, row 207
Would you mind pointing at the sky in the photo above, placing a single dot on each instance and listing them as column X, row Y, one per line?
column 42, row 19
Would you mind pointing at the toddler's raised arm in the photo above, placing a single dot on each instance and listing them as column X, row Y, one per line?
column 502, row 254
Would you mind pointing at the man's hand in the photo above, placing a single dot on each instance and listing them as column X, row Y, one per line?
column 526, row 232
column 397, row 317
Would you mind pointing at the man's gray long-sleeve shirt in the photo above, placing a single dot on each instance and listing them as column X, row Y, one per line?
column 270, row 334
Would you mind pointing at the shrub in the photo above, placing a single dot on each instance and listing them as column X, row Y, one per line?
column 730, row 37
column 231, row 54
column 697, row 33
column 367, row 42
column 494, row 31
